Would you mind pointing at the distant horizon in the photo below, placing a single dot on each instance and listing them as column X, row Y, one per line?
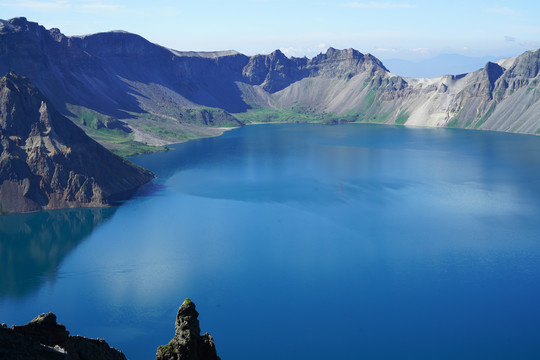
column 429, row 67
column 285, row 50
column 389, row 29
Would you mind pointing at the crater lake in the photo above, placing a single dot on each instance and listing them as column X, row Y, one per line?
column 302, row 241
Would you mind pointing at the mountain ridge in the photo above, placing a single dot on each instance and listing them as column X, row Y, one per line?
column 164, row 96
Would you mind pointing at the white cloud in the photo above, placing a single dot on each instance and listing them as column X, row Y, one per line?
column 63, row 5
column 37, row 5
column 527, row 29
column 100, row 6
column 385, row 50
column 378, row 5
column 503, row 10
column 422, row 51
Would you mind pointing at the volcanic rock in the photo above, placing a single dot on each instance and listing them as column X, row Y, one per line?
column 187, row 343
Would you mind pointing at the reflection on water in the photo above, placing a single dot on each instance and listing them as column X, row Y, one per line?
column 33, row 245
column 394, row 243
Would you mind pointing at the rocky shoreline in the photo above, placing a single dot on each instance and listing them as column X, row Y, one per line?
column 45, row 339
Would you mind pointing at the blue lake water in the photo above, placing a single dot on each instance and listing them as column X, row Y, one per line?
column 302, row 241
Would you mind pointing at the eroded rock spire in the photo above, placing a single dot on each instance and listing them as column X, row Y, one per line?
column 187, row 343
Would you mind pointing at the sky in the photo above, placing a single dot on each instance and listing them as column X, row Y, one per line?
column 410, row 29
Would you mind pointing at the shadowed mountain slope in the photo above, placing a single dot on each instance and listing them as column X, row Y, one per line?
column 47, row 162
column 163, row 96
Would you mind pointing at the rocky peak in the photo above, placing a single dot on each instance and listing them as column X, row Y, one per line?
column 336, row 54
column 493, row 72
column 21, row 25
column 273, row 72
column 344, row 63
column 47, row 162
column 187, row 325
column 19, row 21
column 526, row 65
column 277, row 55
column 19, row 99
column 375, row 62
column 57, row 35
column 188, row 343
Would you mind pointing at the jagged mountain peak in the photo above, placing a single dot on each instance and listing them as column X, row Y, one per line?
column 20, row 102
column 333, row 53
column 20, row 24
column 526, row 65
column 47, row 162
column 493, row 72
column 277, row 54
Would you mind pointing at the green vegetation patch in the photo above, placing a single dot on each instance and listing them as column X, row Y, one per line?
column 169, row 133
column 202, row 116
column 121, row 143
column 134, row 148
column 3, row 210
column 112, row 133
column 454, row 123
column 379, row 119
column 485, row 117
column 280, row 116
column 295, row 114
column 402, row 118
column 168, row 351
column 95, row 120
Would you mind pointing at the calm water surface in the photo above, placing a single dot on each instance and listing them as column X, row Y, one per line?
column 302, row 242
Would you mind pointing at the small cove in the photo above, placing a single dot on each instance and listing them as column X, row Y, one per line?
column 302, row 241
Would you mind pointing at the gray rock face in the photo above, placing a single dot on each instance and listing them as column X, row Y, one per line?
column 81, row 348
column 44, row 339
column 187, row 343
column 47, row 162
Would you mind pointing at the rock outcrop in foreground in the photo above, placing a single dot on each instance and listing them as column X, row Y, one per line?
column 44, row 338
column 47, row 162
column 187, row 343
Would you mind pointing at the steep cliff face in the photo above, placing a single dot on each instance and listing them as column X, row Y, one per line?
column 160, row 92
column 47, row 162
column 503, row 96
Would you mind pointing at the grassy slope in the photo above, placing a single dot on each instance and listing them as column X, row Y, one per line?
column 182, row 125
column 115, row 137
